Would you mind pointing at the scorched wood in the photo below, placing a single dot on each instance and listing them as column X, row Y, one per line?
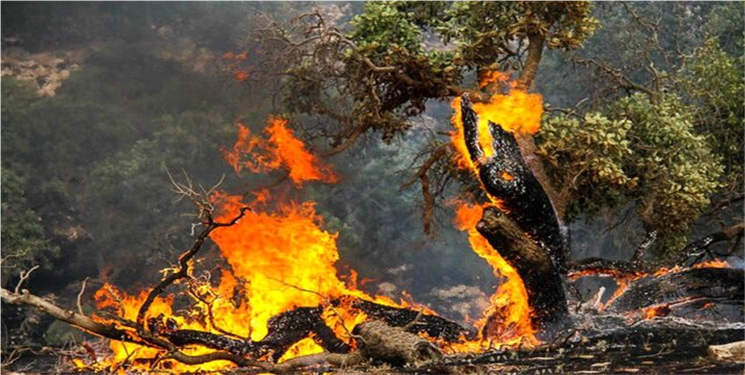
column 507, row 177
column 527, row 233
column 724, row 284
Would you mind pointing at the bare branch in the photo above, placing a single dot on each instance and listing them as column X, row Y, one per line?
column 24, row 277
column 80, row 297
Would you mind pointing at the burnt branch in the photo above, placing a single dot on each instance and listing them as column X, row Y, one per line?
column 713, row 284
column 205, row 212
column 698, row 250
column 184, row 260
column 422, row 174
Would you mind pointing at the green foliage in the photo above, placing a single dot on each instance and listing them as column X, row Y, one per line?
column 484, row 30
column 24, row 243
column 383, row 27
column 715, row 82
column 398, row 55
column 588, row 154
column 95, row 154
column 642, row 151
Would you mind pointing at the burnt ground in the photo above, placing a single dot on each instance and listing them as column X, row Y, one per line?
column 661, row 346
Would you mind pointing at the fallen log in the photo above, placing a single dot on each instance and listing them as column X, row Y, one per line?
column 732, row 352
column 287, row 328
column 378, row 341
column 394, row 345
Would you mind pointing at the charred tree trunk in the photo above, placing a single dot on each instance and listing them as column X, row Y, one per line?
column 542, row 280
column 527, row 233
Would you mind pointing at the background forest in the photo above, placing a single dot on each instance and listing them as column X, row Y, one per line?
column 101, row 100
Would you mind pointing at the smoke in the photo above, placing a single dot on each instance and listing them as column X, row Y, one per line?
column 122, row 93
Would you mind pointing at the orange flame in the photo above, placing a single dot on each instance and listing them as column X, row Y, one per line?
column 714, row 263
column 510, row 302
column 279, row 259
column 520, row 112
column 133, row 357
column 280, row 149
column 655, row 311
column 623, row 280
column 517, row 111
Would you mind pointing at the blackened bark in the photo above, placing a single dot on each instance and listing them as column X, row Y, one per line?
column 285, row 330
column 541, row 278
column 527, row 232
column 507, row 178
column 289, row 327
column 716, row 284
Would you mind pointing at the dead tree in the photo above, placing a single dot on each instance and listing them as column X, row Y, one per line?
column 526, row 231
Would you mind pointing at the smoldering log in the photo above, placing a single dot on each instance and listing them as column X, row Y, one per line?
column 433, row 325
column 716, row 284
column 287, row 328
column 284, row 330
column 507, row 177
column 600, row 266
column 292, row 326
column 542, row 280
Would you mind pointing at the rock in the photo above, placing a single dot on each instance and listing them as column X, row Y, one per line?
column 47, row 70
column 732, row 352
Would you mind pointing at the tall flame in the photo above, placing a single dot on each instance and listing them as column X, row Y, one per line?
column 519, row 112
column 285, row 254
column 279, row 259
column 509, row 303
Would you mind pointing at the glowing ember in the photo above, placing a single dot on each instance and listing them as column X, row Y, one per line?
column 623, row 280
column 655, row 311
column 715, row 263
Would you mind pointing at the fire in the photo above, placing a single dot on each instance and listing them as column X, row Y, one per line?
column 623, row 280
column 133, row 357
column 714, row 263
column 520, row 112
column 517, row 111
column 510, row 302
column 285, row 254
column 279, row 149
column 280, row 258
column 655, row 311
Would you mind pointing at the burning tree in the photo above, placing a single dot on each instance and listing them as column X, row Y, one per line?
column 280, row 305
